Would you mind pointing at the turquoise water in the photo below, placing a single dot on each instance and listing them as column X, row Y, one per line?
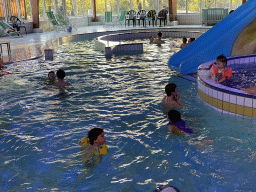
column 40, row 127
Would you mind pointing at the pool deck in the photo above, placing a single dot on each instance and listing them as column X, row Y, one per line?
column 33, row 40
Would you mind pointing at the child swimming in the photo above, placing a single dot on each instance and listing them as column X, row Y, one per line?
column 184, row 42
column 176, row 125
column 93, row 145
column 221, row 73
column 159, row 38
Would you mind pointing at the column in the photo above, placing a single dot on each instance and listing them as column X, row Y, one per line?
column 75, row 7
column 186, row 6
column 5, row 10
column 83, row 14
column 94, row 10
column 173, row 10
column 44, row 10
column 55, row 5
column 18, row 7
column 35, row 12
column 64, row 11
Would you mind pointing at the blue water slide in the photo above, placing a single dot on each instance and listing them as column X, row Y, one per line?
column 216, row 41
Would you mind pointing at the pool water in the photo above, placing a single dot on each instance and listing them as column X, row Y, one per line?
column 243, row 76
column 40, row 127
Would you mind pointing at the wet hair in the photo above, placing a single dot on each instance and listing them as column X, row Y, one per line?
column 50, row 73
column 192, row 39
column 170, row 88
column 174, row 116
column 222, row 59
column 184, row 39
column 61, row 74
column 159, row 34
column 93, row 134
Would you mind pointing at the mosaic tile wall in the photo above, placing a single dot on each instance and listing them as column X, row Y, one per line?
column 225, row 99
column 189, row 19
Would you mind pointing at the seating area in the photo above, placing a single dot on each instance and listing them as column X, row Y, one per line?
column 145, row 17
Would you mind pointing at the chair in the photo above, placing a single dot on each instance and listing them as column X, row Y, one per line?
column 121, row 18
column 151, row 16
column 54, row 21
column 62, row 21
column 17, row 23
column 131, row 15
column 162, row 16
column 141, row 15
column 108, row 17
column 8, row 29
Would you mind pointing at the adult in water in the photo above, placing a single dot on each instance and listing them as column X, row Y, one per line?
column 60, row 75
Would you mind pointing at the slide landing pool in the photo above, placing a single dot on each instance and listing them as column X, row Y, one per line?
column 234, row 35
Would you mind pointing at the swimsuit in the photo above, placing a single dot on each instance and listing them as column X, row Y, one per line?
column 182, row 126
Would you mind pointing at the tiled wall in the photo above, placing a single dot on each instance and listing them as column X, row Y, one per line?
column 189, row 19
column 225, row 99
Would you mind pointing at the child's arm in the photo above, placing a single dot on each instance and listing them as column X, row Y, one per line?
column 220, row 81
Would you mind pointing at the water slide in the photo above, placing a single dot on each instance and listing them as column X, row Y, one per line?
column 234, row 35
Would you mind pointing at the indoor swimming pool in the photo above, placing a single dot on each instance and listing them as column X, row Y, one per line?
column 40, row 127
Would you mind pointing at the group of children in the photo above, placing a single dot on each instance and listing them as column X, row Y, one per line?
column 60, row 76
column 158, row 40
column 186, row 42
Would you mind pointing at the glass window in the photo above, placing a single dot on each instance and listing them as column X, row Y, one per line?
column 181, row 6
column 223, row 4
column 124, row 5
column 28, row 10
column 194, row 6
column 236, row 4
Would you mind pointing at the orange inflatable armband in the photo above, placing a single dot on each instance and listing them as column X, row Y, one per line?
column 214, row 70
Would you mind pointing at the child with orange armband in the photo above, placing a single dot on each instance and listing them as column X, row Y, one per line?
column 221, row 72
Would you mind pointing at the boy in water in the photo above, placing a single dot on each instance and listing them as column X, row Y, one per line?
column 151, row 39
column 95, row 146
column 60, row 76
column 51, row 78
column 172, row 99
column 184, row 44
column 159, row 38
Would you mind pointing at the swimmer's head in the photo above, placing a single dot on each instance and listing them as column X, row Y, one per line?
column 222, row 59
column 96, row 135
column 184, row 40
column 61, row 74
column 170, row 88
column 51, row 75
column 151, row 39
column 159, row 34
column 191, row 39
column 174, row 116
